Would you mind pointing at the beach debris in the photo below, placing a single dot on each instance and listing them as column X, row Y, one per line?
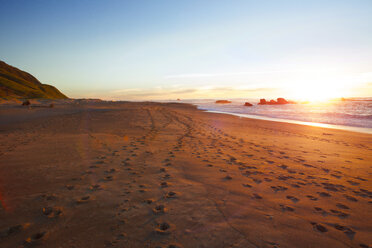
column 26, row 103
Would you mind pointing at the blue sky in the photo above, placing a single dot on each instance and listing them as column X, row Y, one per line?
column 191, row 49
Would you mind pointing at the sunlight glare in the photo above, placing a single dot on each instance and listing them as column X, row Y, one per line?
column 319, row 90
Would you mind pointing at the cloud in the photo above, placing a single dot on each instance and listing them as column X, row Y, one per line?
column 241, row 89
column 155, row 93
column 161, row 93
column 257, row 72
column 207, row 75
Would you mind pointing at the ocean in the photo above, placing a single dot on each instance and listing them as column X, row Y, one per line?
column 354, row 114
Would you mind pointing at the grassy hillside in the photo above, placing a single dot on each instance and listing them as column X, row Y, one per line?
column 15, row 83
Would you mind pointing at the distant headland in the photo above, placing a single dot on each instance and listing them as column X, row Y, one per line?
column 18, row 84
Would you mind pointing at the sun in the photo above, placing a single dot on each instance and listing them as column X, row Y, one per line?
column 319, row 91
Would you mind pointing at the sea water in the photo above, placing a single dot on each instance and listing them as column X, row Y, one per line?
column 354, row 114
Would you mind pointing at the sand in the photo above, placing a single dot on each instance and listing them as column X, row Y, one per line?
column 168, row 175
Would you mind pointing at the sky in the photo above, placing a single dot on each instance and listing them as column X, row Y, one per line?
column 166, row 49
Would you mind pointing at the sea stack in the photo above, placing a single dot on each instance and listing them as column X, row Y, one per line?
column 279, row 101
column 223, row 101
column 262, row 101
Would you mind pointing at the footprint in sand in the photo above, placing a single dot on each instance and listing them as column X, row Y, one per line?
column 283, row 166
column 309, row 165
column 284, row 178
column 342, row 206
column 122, row 220
column 112, row 170
column 171, row 194
column 321, row 211
column 126, row 163
column 52, row 212
column 295, row 185
column 163, row 228
column 83, row 199
column 142, row 190
column 361, row 179
column 312, row 198
column 174, row 246
column 95, row 187
column 336, row 176
column 13, row 230
column 164, row 184
column 324, row 194
column 36, row 238
column 149, row 201
column 256, row 196
column 256, row 180
column 292, row 198
column 70, row 187
column 50, row 197
column 159, row 209
column 108, row 178
column 364, row 246
column 351, row 198
column 348, row 231
column 319, row 227
column 339, row 214
column 227, row 177
column 87, row 172
column 286, row 208
column 353, row 183
column 100, row 162
column 166, row 176
column 279, row 188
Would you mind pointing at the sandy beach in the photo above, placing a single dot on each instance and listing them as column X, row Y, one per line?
column 131, row 174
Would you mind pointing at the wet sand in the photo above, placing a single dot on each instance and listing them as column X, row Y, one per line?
column 169, row 175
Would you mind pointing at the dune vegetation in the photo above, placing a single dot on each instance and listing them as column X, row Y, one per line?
column 18, row 84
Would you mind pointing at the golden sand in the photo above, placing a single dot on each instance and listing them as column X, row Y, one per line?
column 169, row 175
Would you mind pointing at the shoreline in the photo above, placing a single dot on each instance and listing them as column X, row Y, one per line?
column 306, row 123
column 87, row 102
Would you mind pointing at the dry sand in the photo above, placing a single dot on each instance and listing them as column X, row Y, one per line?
column 168, row 175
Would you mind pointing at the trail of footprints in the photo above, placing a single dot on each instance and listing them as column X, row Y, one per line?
column 206, row 145
column 203, row 150
column 162, row 229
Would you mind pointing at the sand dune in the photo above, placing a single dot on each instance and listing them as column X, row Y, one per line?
column 169, row 175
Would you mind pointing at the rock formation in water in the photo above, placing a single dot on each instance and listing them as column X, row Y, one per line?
column 279, row 101
column 223, row 101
